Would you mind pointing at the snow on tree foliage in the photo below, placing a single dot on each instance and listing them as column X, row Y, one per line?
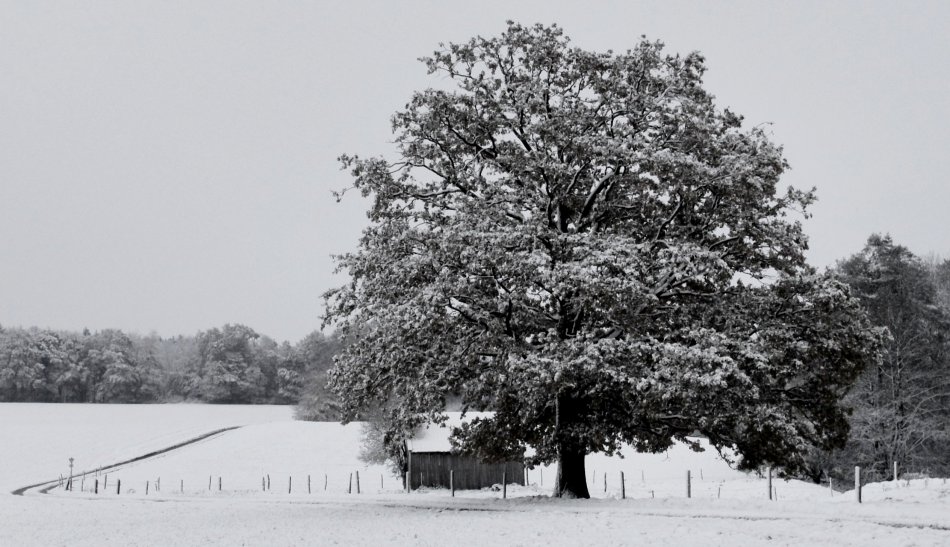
column 584, row 244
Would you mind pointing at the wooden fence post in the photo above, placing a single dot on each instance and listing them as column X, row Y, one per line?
column 268, row 481
column 209, row 483
column 605, row 481
column 97, row 487
column 158, row 485
column 623, row 487
column 541, row 475
column 895, row 470
column 452, row 481
column 263, row 484
column 118, row 487
column 770, row 483
column 181, row 485
column 290, row 484
column 219, row 484
column 357, row 482
column 504, row 485
column 857, row 482
column 349, row 489
column 325, row 480
column 146, row 488
column 308, row 484
column 689, row 486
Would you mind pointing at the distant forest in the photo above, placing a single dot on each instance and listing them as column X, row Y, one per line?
column 901, row 407
column 232, row 365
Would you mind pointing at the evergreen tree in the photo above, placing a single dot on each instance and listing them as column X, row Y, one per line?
column 902, row 404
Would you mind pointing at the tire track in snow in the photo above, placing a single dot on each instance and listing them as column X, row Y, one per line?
column 49, row 485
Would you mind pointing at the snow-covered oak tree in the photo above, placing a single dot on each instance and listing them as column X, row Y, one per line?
column 584, row 244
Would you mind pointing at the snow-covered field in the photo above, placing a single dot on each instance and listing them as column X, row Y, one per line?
column 726, row 507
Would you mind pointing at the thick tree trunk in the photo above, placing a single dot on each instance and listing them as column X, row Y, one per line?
column 571, row 479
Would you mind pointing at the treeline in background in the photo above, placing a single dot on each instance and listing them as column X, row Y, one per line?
column 901, row 407
column 232, row 365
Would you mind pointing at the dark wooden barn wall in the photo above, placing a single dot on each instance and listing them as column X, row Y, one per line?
column 432, row 469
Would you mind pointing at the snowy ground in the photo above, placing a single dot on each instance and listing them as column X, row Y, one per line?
column 727, row 507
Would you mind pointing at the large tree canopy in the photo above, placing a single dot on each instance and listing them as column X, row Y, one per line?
column 584, row 244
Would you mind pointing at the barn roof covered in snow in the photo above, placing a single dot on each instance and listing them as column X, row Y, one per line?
column 435, row 437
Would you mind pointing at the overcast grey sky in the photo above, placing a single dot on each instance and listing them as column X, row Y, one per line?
column 167, row 166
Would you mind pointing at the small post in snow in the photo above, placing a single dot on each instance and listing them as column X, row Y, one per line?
column 219, row 484
column 357, row 482
column 290, row 484
column 689, row 486
column 623, row 487
column 895, row 470
column 118, row 487
column 452, row 481
column 308, row 484
column 605, row 481
column 770, row 483
column 857, row 482
column 146, row 487
column 349, row 489
column 70, row 483
column 504, row 484
column 181, row 486
column 96, row 487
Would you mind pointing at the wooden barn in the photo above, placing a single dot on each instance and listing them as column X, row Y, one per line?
column 431, row 461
